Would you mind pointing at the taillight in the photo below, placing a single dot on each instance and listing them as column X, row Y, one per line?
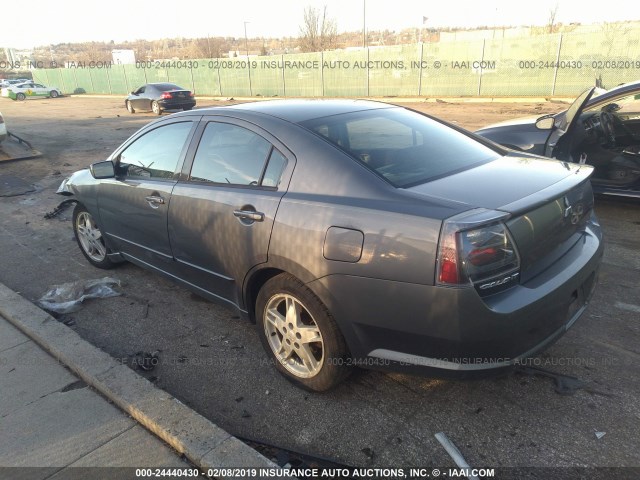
column 166, row 95
column 475, row 248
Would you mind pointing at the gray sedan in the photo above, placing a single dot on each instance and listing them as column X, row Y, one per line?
column 353, row 233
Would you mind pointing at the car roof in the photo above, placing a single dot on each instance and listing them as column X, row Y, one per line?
column 622, row 88
column 301, row 110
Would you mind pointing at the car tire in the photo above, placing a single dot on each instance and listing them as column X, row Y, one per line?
column 130, row 107
column 186, row 109
column 89, row 238
column 300, row 335
column 20, row 96
column 54, row 94
column 155, row 107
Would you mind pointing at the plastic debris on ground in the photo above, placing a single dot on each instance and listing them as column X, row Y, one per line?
column 68, row 297
column 454, row 453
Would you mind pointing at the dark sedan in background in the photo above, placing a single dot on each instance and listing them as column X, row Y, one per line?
column 352, row 233
column 601, row 130
column 159, row 97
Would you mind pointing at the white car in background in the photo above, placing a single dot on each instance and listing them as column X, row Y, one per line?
column 22, row 91
column 3, row 129
column 8, row 82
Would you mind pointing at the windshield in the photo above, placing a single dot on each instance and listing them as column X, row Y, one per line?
column 403, row 147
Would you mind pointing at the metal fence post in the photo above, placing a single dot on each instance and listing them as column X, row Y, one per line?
column 109, row 82
column 64, row 86
column 322, row 72
column 555, row 71
column 284, row 83
column 420, row 72
column 484, row 43
column 126, row 80
column 249, row 70
column 367, row 71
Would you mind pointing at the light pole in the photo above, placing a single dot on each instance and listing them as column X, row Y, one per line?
column 246, row 47
column 364, row 23
column 246, row 41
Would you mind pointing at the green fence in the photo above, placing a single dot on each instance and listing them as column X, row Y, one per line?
column 560, row 64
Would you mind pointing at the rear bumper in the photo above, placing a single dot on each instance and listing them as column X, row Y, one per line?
column 453, row 331
column 176, row 104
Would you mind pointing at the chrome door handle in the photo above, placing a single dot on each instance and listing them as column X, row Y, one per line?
column 154, row 201
column 249, row 215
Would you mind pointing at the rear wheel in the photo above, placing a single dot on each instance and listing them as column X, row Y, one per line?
column 89, row 238
column 155, row 107
column 130, row 107
column 54, row 94
column 20, row 96
column 298, row 332
column 187, row 108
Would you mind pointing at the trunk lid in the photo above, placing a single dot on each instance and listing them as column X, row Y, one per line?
column 177, row 95
column 549, row 203
column 506, row 183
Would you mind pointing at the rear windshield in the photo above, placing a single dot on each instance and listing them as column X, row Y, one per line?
column 164, row 87
column 403, row 147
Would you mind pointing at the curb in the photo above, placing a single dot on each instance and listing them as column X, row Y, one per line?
column 205, row 444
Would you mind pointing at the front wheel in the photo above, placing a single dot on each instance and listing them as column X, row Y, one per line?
column 155, row 107
column 89, row 238
column 54, row 94
column 298, row 332
column 130, row 107
column 20, row 96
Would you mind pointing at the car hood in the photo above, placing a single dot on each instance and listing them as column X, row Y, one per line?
column 510, row 183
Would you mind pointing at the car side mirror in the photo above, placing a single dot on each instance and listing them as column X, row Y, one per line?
column 545, row 123
column 102, row 170
column 134, row 93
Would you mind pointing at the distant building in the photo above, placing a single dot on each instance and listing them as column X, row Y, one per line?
column 123, row 57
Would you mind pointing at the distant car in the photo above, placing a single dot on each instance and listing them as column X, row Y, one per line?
column 600, row 128
column 352, row 233
column 22, row 91
column 3, row 128
column 158, row 97
column 14, row 81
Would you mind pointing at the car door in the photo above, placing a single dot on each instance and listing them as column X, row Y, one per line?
column 222, row 210
column 139, row 101
column 560, row 142
column 28, row 89
column 133, row 206
column 40, row 90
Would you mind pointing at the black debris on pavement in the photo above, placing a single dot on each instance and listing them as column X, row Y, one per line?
column 564, row 384
column 59, row 209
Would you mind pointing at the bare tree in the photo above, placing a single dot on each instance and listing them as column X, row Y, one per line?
column 318, row 32
column 551, row 24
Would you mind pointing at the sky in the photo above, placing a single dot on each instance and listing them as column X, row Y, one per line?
column 64, row 21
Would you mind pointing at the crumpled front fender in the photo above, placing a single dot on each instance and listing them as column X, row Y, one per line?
column 67, row 187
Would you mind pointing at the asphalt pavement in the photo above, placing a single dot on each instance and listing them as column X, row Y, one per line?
column 69, row 410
